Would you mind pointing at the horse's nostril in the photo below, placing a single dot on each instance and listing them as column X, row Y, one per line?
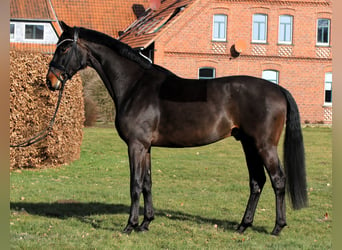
column 49, row 84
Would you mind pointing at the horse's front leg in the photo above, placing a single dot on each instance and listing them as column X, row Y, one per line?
column 147, row 192
column 137, row 161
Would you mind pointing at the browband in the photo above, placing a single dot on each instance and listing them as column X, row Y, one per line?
column 70, row 40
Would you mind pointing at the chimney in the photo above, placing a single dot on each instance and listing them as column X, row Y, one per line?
column 138, row 10
column 155, row 4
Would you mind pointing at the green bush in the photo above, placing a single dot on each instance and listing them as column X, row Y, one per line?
column 90, row 112
column 99, row 106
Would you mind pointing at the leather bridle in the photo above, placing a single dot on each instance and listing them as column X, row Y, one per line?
column 66, row 75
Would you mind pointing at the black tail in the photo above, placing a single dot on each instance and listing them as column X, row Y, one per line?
column 294, row 155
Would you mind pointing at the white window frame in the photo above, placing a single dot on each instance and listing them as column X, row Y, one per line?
column 12, row 35
column 317, row 28
column 34, row 39
column 218, row 28
column 258, row 40
column 283, row 29
column 328, row 87
column 266, row 75
column 211, row 68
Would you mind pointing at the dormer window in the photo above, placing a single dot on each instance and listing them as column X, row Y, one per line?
column 12, row 30
column 34, row 32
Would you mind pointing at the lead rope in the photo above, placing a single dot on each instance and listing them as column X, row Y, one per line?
column 44, row 133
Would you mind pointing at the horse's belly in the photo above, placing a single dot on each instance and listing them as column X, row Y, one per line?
column 186, row 131
column 189, row 141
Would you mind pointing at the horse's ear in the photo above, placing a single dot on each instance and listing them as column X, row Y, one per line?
column 64, row 26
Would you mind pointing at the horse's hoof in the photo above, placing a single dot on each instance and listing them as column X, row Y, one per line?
column 242, row 227
column 128, row 229
column 141, row 229
column 144, row 226
column 277, row 229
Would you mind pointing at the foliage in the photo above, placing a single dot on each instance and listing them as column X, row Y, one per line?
column 32, row 106
column 199, row 196
column 90, row 111
column 98, row 102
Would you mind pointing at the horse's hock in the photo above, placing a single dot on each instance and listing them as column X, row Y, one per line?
column 32, row 106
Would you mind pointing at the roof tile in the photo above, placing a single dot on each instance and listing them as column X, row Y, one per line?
column 30, row 9
column 107, row 16
column 34, row 47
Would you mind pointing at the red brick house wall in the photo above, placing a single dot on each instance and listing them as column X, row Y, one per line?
column 186, row 45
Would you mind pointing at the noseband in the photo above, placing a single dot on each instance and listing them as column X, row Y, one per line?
column 66, row 75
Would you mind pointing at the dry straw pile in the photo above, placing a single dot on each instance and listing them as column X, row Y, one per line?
column 32, row 106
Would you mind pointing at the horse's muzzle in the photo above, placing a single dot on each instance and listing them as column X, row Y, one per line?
column 53, row 82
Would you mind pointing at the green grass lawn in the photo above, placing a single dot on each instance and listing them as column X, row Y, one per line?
column 199, row 196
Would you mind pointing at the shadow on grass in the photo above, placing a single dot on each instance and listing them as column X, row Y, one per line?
column 70, row 208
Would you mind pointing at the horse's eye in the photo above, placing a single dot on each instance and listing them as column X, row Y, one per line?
column 64, row 49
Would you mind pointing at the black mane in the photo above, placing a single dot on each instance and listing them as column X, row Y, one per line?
column 120, row 47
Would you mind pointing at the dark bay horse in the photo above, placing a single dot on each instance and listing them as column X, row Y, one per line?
column 154, row 107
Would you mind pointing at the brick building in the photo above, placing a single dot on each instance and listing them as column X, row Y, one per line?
column 287, row 42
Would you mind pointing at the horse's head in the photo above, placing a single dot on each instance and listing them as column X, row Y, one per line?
column 70, row 56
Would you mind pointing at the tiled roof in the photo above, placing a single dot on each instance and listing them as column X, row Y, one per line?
column 30, row 9
column 107, row 16
column 34, row 47
column 145, row 29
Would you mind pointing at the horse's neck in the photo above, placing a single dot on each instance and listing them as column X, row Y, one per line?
column 117, row 73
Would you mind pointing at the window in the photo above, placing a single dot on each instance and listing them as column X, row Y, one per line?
column 323, row 31
column 206, row 73
column 271, row 75
column 12, row 28
column 328, row 88
column 34, row 31
column 220, row 28
column 285, row 29
column 259, row 28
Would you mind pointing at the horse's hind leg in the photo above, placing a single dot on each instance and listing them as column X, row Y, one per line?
column 257, row 180
column 147, row 193
column 271, row 160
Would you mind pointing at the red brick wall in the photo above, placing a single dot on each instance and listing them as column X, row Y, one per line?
column 187, row 45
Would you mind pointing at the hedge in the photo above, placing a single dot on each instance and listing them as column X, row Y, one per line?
column 32, row 106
